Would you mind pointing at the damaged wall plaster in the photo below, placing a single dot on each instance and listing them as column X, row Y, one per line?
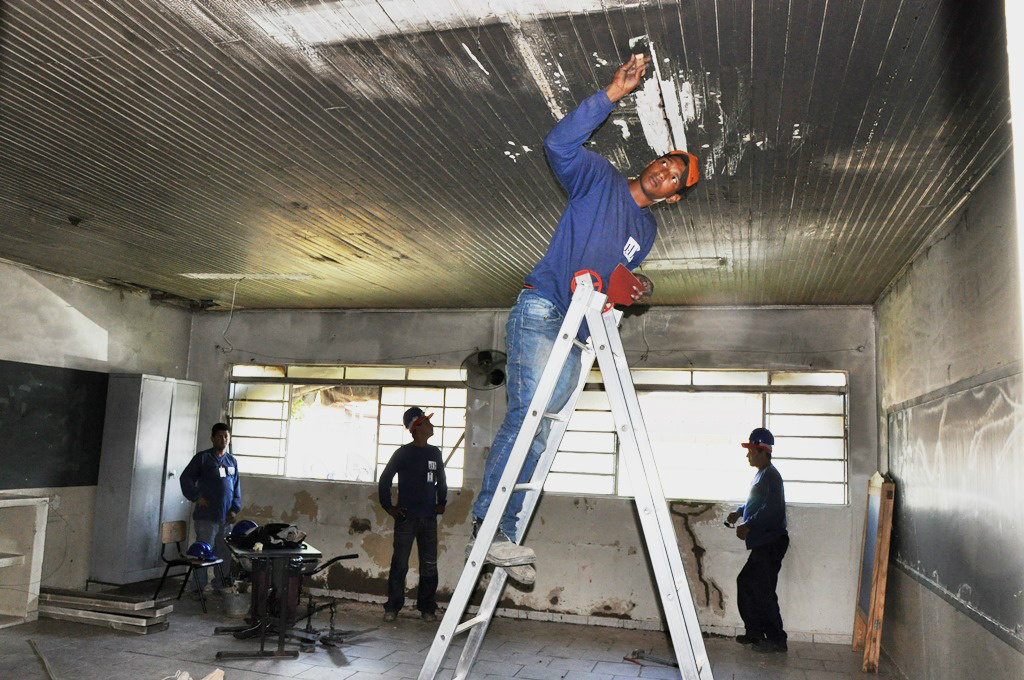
column 585, row 546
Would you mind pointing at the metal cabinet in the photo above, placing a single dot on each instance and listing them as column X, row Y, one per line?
column 149, row 436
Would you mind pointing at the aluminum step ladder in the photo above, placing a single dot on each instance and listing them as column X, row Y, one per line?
column 635, row 449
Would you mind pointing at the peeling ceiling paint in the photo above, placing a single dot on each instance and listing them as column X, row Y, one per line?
column 380, row 153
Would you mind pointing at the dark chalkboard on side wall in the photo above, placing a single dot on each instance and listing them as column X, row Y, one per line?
column 51, row 425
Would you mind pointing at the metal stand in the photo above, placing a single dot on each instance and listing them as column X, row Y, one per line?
column 276, row 592
column 659, row 534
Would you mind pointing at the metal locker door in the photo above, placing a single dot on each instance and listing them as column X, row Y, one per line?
column 143, row 527
column 181, row 446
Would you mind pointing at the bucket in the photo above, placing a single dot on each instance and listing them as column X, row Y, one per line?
column 236, row 604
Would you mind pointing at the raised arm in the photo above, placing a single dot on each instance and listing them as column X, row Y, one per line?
column 564, row 144
column 627, row 77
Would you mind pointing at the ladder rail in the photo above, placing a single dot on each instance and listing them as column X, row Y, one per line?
column 649, row 496
column 503, row 493
column 540, row 473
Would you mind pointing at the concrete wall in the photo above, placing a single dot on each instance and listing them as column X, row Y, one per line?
column 55, row 321
column 591, row 558
column 951, row 321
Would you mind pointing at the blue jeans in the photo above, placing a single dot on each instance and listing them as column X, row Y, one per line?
column 530, row 333
column 214, row 533
column 424, row 531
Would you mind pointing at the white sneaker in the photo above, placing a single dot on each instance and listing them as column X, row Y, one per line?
column 524, row 573
column 504, row 553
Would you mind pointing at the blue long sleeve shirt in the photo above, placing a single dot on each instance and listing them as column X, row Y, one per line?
column 216, row 480
column 421, row 481
column 765, row 509
column 602, row 226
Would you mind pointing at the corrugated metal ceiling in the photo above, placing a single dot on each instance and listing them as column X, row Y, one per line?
column 388, row 154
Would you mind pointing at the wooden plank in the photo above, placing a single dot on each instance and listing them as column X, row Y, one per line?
column 860, row 628
column 116, row 625
column 859, row 625
column 110, row 607
column 129, row 603
column 873, row 646
column 87, row 616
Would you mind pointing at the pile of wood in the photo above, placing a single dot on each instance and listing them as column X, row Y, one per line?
column 120, row 612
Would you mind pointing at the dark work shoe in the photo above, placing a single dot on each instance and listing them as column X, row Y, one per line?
column 429, row 617
column 770, row 646
column 746, row 639
column 390, row 616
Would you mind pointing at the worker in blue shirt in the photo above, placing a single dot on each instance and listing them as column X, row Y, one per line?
column 763, row 529
column 606, row 222
column 210, row 480
column 422, row 496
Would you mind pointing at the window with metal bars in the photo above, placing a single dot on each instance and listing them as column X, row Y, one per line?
column 696, row 421
column 343, row 423
column 340, row 422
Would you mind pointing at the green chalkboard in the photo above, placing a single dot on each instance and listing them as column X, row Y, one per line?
column 51, row 425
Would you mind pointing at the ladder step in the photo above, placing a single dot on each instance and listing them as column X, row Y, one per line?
column 528, row 487
column 466, row 625
column 556, row 417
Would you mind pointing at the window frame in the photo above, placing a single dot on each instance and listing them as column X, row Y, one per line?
column 765, row 390
column 289, row 382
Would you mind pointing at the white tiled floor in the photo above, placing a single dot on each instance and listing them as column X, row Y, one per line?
column 514, row 648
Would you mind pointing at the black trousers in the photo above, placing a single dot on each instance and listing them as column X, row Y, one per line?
column 423, row 530
column 755, row 588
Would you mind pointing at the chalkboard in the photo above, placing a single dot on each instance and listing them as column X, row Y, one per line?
column 958, row 467
column 51, row 425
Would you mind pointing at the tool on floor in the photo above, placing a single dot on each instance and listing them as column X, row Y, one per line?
column 638, row 655
column 605, row 346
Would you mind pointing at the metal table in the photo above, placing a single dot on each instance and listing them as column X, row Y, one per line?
column 276, row 574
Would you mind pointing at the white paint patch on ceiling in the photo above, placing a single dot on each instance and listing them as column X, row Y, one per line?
column 661, row 108
column 526, row 50
column 370, row 19
column 625, row 128
column 473, row 57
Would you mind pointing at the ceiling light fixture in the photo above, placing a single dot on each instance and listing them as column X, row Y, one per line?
column 675, row 263
column 251, row 277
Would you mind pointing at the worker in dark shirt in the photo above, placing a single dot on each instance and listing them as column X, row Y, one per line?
column 210, row 480
column 422, row 496
column 763, row 529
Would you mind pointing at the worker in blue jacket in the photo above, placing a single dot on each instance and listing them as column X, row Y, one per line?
column 422, row 496
column 210, row 480
column 606, row 222
column 764, row 532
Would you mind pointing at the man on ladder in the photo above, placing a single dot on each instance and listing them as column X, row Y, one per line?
column 607, row 222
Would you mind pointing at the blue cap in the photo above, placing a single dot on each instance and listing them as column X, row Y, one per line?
column 760, row 438
column 414, row 416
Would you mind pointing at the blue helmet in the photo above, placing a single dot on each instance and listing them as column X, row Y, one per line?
column 200, row 550
column 244, row 533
